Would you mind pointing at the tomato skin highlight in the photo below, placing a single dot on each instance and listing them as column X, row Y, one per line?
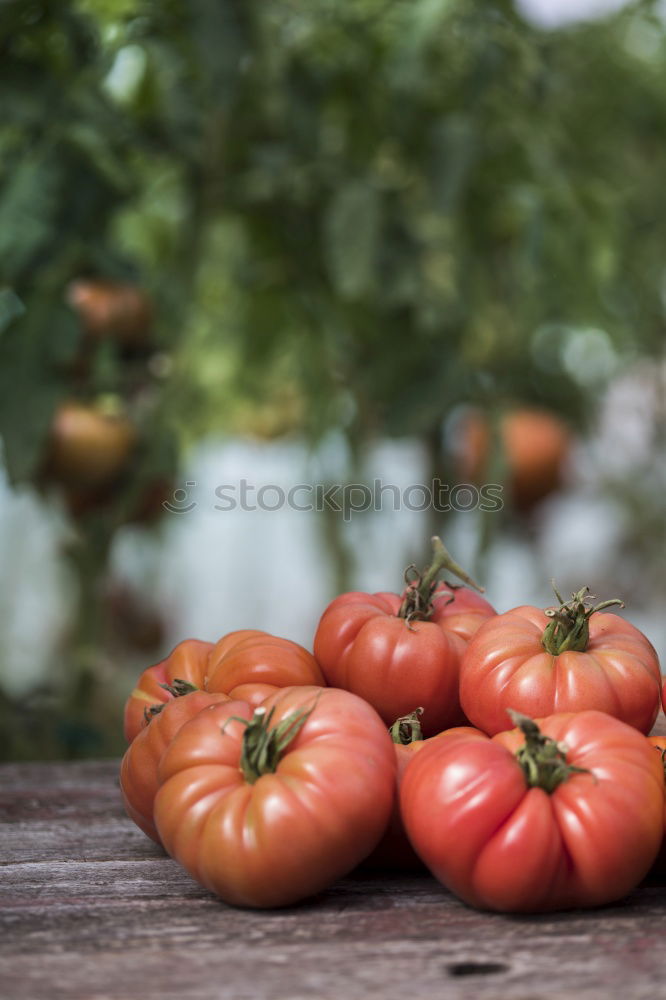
column 138, row 768
column 506, row 666
column 293, row 832
column 248, row 664
column 363, row 646
column 501, row 845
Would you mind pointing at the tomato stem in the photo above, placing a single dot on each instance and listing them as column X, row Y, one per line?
column 543, row 759
column 407, row 729
column 569, row 628
column 177, row 689
column 262, row 747
column 421, row 587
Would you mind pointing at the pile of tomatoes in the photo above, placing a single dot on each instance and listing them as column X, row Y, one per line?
column 506, row 753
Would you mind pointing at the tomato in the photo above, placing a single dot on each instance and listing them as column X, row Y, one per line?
column 138, row 768
column 246, row 664
column 89, row 447
column 401, row 651
column 563, row 660
column 535, row 445
column 568, row 813
column 112, row 310
column 270, row 808
column 394, row 850
column 659, row 743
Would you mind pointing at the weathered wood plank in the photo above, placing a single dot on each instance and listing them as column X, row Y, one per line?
column 93, row 910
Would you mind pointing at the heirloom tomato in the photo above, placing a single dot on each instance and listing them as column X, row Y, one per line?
column 394, row 850
column 138, row 768
column 659, row 744
column 268, row 808
column 246, row 664
column 568, row 812
column 565, row 659
column 401, row 651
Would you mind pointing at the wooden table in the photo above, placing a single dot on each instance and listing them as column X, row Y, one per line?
column 92, row 909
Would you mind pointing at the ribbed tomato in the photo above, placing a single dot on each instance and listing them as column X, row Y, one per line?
column 138, row 768
column 567, row 813
column 394, row 850
column 565, row 659
column 398, row 651
column 246, row 664
column 659, row 744
column 268, row 808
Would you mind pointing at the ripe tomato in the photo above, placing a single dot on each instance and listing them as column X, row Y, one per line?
column 246, row 664
column 535, row 444
column 568, row 813
column 270, row 808
column 659, row 743
column 112, row 310
column 138, row 768
column 563, row 660
column 401, row 651
column 88, row 447
column 394, row 850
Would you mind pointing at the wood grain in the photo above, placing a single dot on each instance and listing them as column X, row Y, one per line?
column 93, row 910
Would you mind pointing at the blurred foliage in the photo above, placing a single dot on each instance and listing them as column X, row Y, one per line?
column 354, row 216
column 383, row 208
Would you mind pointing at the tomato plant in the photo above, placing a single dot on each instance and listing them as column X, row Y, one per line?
column 565, row 812
column 398, row 651
column 268, row 808
column 565, row 659
column 246, row 664
column 138, row 768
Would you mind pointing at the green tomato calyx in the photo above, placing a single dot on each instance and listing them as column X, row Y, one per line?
column 421, row 586
column 569, row 628
column 263, row 746
column 543, row 759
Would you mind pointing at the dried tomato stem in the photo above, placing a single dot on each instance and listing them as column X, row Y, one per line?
column 417, row 603
column 407, row 729
column 177, row 689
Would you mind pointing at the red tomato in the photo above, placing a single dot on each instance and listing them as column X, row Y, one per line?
column 535, row 443
column 138, row 768
column 562, row 660
column 394, row 850
column 659, row 743
column 400, row 651
column 246, row 664
column 576, row 822
column 268, row 809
